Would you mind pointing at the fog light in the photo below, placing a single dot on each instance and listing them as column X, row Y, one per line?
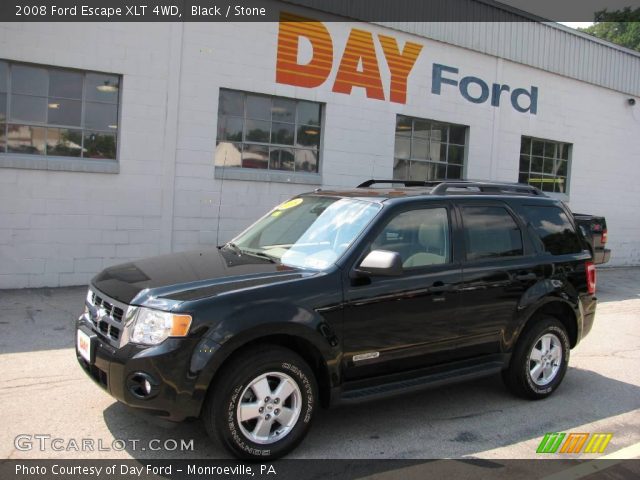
column 142, row 385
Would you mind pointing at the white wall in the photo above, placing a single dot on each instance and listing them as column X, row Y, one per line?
column 60, row 228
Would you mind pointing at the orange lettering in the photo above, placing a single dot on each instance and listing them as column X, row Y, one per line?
column 400, row 65
column 288, row 70
column 359, row 49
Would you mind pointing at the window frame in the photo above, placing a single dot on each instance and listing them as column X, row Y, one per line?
column 427, row 161
column 45, row 160
column 270, row 174
column 543, row 175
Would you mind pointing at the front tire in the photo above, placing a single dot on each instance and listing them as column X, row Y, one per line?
column 263, row 404
column 539, row 361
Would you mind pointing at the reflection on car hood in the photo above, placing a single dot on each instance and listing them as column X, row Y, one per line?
column 190, row 275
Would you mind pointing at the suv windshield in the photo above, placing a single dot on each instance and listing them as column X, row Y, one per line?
column 307, row 231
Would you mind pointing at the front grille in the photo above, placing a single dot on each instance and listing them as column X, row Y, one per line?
column 107, row 317
column 116, row 312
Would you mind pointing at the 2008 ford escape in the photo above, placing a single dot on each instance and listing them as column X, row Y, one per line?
column 340, row 296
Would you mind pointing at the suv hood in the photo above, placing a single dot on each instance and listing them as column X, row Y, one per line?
column 190, row 275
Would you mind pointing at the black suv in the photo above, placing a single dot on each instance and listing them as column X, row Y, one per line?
column 341, row 296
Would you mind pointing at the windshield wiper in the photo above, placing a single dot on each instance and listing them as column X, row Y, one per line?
column 254, row 253
column 266, row 256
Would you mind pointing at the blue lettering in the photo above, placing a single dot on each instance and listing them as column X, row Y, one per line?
column 496, row 92
column 438, row 80
column 533, row 100
column 464, row 89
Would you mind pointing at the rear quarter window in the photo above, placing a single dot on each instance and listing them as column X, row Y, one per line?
column 553, row 228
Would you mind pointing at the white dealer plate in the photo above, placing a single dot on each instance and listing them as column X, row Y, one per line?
column 83, row 342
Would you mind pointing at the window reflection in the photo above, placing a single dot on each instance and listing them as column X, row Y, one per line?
column 544, row 164
column 63, row 142
column 29, row 80
column 26, row 139
column 282, row 159
column 306, row 160
column 65, row 84
column 102, row 88
column 58, row 112
column 228, row 155
column 428, row 150
column 255, row 156
column 100, row 116
column 25, row 108
column 99, row 145
column 4, row 76
column 3, row 137
column 260, row 131
column 3, row 107
column 62, row 111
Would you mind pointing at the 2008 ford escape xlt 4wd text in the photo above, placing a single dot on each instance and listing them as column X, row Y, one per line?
column 342, row 296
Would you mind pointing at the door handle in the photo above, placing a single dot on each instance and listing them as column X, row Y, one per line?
column 526, row 277
column 440, row 287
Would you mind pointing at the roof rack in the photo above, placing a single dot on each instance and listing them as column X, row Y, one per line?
column 440, row 187
column 406, row 183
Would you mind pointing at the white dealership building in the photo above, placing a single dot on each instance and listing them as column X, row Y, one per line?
column 122, row 140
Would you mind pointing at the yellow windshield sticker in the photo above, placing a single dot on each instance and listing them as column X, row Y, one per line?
column 290, row 204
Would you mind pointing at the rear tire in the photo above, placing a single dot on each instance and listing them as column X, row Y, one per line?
column 263, row 403
column 539, row 361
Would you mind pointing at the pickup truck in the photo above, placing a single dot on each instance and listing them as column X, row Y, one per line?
column 595, row 231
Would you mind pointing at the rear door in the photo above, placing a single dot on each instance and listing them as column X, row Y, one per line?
column 499, row 265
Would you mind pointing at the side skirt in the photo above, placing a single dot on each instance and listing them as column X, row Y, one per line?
column 415, row 380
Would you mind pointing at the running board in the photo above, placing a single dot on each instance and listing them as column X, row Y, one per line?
column 431, row 380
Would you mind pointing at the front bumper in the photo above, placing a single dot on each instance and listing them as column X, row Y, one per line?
column 175, row 393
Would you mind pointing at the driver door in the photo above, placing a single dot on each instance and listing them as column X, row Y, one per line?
column 396, row 323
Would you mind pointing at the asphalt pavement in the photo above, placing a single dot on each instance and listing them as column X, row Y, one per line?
column 44, row 392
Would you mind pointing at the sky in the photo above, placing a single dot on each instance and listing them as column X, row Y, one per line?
column 577, row 24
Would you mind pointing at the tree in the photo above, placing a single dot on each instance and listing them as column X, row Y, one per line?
column 620, row 26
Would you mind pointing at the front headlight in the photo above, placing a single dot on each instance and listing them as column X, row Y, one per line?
column 152, row 327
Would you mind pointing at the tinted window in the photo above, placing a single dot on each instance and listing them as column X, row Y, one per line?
column 421, row 237
column 554, row 230
column 490, row 232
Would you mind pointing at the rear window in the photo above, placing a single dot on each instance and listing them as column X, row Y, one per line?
column 554, row 229
column 490, row 232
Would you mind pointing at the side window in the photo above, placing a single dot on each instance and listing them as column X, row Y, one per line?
column 421, row 237
column 554, row 229
column 490, row 232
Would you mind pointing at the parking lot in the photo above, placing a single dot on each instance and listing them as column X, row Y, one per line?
column 43, row 391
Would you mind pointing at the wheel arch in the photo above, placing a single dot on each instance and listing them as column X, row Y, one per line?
column 303, row 347
column 560, row 310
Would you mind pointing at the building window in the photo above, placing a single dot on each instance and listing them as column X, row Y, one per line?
column 58, row 112
column 266, row 132
column 428, row 150
column 545, row 164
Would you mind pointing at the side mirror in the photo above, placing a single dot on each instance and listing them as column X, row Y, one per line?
column 381, row 262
